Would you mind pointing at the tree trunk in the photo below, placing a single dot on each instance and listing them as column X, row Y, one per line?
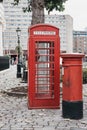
column 37, row 11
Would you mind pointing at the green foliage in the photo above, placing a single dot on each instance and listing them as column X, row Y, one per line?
column 16, row 2
column 49, row 5
column 25, row 9
column 54, row 4
column 28, row 8
column 85, row 76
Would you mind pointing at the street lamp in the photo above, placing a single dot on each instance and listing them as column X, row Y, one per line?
column 19, row 64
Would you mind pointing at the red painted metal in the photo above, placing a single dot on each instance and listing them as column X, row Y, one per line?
column 72, row 78
column 43, row 67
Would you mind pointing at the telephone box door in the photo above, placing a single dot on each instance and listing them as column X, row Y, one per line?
column 44, row 74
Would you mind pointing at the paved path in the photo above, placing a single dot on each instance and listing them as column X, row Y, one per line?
column 14, row 113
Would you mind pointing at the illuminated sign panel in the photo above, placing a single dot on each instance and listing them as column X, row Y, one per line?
column 44, row 33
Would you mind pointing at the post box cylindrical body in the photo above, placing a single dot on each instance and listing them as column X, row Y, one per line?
column 72, row 103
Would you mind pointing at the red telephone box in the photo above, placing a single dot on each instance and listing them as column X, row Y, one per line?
column 43, row 67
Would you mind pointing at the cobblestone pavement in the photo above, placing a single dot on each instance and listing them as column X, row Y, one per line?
column 15, row 115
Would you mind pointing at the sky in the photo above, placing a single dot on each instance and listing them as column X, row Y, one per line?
column 77, row 9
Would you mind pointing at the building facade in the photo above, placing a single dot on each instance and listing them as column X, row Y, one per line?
column 15, row 17
column 80, row 42
column 65, row 24
column 2, row 27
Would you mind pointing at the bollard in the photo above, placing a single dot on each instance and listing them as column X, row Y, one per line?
column 18, row 70
column 25, row 75
column 72, row 103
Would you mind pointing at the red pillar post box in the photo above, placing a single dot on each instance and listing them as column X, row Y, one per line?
column 43, row 67
column 72, row 103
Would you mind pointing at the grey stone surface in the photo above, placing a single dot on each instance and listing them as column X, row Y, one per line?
column 74, row 128
column 15, row 115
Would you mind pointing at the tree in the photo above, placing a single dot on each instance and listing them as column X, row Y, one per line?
column 37, row 8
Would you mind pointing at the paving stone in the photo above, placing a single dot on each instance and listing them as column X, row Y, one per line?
column 38, row 128
column 1, row 124
column 48, row 128
column 17, row 128
column 45, row 128
column 5, row 127
column 28, row 129
column 74, row 128
column 62, row 128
